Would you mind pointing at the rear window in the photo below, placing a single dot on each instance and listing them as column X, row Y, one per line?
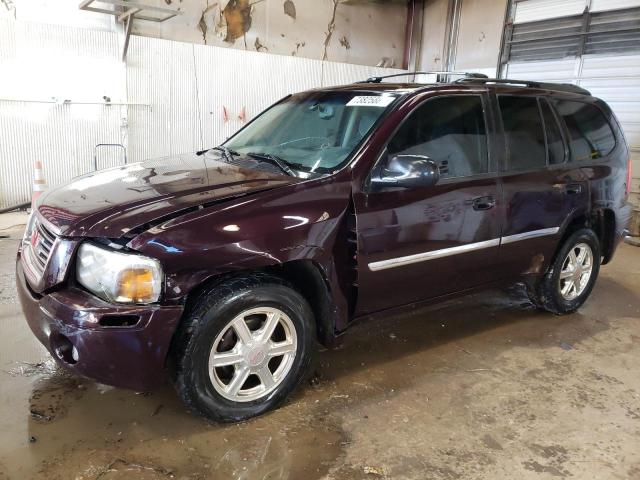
column 524, row 132
column 590, row 135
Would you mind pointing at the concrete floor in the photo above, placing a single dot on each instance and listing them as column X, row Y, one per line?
column 484, row 387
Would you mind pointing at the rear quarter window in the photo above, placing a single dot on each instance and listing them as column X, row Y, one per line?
column 590, row 135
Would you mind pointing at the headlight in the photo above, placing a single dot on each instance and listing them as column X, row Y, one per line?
column 28, row 230
column 118, row 277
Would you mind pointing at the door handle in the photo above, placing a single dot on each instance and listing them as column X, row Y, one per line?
column 573, row 189
column 484, row 203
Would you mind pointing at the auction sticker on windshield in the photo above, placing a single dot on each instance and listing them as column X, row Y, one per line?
column 370, row 101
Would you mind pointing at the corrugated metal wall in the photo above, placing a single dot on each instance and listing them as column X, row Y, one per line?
column 534, row 10
column 33, row 59
column 610, row 32
column 189, row 85
column 600, row 5
column 614, row 77
column 175, row 93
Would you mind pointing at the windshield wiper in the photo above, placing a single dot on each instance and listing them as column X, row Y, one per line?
column 274, row 160
column 227, row 153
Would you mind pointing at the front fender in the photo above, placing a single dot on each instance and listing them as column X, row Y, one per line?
column 283, row 225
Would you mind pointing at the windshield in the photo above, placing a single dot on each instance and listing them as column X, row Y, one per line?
column 312, row 132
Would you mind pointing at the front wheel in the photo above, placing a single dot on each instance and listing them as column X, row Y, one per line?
column 572, row 275
column 245, row 346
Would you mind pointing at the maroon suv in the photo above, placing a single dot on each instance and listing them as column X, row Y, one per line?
column 221, row 269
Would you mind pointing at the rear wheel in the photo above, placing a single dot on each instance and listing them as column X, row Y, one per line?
column 245, row 346
column 571, row 277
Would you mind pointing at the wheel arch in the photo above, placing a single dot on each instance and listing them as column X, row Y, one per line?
column 306, row 276
column 602, row 221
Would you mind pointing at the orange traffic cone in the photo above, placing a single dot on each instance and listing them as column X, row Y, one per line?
column 39, row 183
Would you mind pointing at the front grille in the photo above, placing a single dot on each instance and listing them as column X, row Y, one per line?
column 41, row 244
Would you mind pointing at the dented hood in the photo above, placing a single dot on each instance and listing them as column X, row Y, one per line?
column 112, row 202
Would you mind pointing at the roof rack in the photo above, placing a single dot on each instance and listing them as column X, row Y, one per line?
column 561, row 87
column 442, row 75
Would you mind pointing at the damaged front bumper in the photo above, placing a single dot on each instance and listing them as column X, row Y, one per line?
column 123, row 346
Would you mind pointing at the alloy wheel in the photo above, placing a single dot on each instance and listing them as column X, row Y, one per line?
column 576, row 271
column 253, row 354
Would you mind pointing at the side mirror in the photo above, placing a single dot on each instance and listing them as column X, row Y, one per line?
column 408, row 171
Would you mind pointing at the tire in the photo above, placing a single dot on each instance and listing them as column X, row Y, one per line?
column 553, row 293
column 253, row 300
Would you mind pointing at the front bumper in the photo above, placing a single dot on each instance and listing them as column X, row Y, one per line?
column 69, row 324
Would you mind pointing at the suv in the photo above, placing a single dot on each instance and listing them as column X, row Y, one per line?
column 221, row 269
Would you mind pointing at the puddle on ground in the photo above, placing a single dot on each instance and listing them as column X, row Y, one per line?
column 381, row 404
column 78, row 429
column 64, row 426
column 27, row 369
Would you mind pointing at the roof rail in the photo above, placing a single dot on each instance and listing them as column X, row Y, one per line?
column 441, row 76
column 560, row 87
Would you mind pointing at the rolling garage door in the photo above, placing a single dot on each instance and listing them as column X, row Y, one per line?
column 592, row 43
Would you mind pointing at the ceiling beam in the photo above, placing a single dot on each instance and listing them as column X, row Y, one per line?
column 127, row 36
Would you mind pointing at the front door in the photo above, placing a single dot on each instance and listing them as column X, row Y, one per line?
column 419, row 243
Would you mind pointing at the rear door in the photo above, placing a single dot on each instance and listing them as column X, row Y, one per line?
column 541, row 190
column 419, row 243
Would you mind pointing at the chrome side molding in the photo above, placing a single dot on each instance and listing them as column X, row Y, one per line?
column 532, row 234
column 446, row 252
column 422, row 257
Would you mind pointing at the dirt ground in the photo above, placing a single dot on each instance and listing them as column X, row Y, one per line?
column 485, row 387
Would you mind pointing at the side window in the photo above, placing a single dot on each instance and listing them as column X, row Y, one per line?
column 449, row 130
column 590, row 135
column 555, row 144
column 523, row 132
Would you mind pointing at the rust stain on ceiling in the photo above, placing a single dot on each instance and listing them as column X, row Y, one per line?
column 259, row 46
column 10, row 6
column 290, row 9
column 202, row 24
column 298, row 45
column 237, row 15
column 330, row 29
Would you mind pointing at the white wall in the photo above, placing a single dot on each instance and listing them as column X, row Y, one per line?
column 172, row 95
column 370, row 30
column 434, row 27
column 480, row 33
column 363, row 32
